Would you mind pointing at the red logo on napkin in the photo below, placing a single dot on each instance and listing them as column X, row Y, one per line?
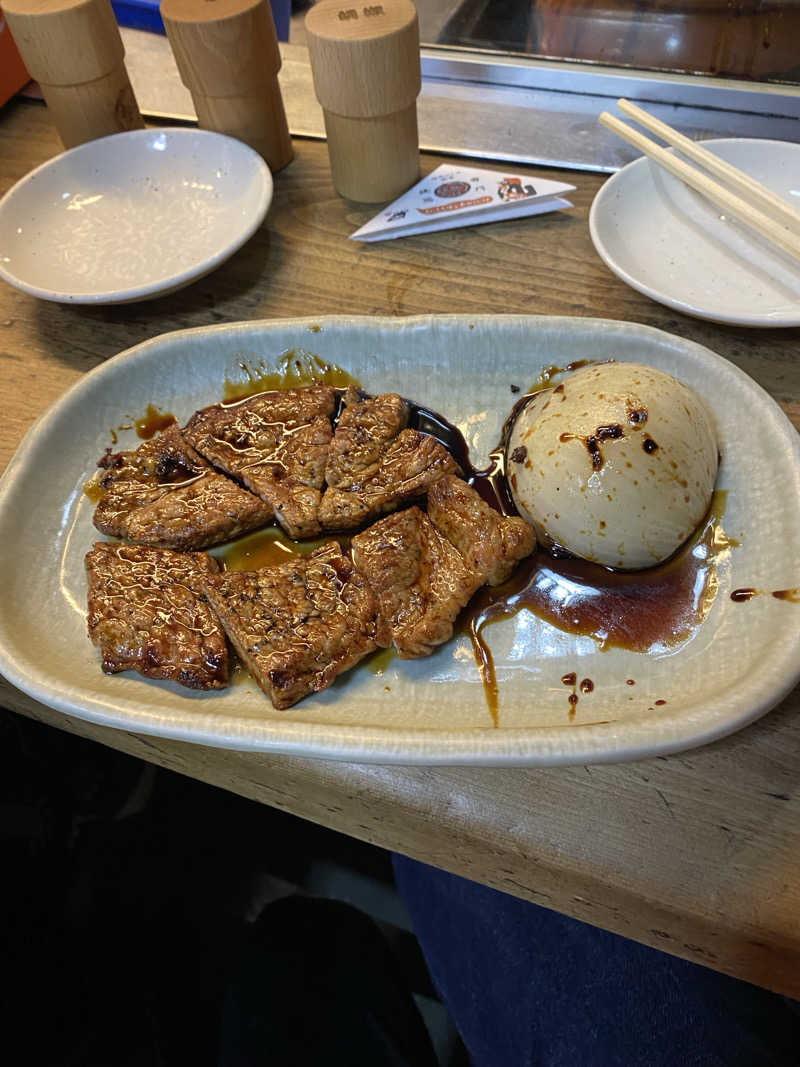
column 456, row 206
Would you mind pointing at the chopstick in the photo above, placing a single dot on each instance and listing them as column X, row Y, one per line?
column 759, row 194
column 768, row 227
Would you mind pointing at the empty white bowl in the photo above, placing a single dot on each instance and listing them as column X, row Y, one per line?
column 675, row 246
column 131, row 216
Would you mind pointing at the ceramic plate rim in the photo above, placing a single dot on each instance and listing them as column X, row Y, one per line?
column 536, row 746
column 163, row 285
column 783, row 319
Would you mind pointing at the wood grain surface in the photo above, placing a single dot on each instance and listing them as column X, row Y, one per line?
column 697, row 853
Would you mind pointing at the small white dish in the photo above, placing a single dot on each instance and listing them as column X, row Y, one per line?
column 131, row 216
column 740, row 662
column 673, row 245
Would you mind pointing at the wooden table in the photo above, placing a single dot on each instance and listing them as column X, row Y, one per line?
column 697, row 854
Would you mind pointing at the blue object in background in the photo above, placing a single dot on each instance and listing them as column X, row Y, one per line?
column 144, row 15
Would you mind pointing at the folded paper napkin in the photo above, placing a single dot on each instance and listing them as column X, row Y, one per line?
column 463, row 196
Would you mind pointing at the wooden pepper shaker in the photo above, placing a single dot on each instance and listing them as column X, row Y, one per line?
column 74, row 50
column 366, row 68
column 228, row 58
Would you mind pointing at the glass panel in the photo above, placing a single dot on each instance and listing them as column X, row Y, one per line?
column 748, row 39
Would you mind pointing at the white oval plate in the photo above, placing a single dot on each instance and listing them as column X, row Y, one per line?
column 131, row 216
column 739, row 664
column 673, row 245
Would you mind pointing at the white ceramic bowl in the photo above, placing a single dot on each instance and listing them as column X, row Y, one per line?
column 131, row 216
column 675, row 246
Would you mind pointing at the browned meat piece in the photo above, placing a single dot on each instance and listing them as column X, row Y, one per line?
column 424, row 568
column 147, row 613
column 133, row 478
column 490, row 545
column 364, row 431
column 420, row 579
column 411, row 464
column 207, row 512
column 276, row 444
column 299, row 625
column 164, row 494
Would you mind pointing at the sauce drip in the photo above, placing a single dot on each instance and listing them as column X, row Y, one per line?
column 739, row 596
column 546, row 376
column 593, row 442
column 640, row 611
column 294, row 369
column 152, row 422
column 571, row 680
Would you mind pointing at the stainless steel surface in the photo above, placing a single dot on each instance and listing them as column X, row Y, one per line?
column 454, row 64
column 540, row 113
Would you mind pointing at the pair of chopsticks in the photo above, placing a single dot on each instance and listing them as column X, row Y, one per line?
column 763, row 211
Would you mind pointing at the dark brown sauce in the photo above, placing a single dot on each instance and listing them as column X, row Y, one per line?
column 740, row 596
column 571, row 680
column 640, row 611
column 294, row 369
column 594, row 440
column 152, row 422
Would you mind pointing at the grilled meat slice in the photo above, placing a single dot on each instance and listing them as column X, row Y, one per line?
column 410, row 465
column 147, row 613
column 276, row 444
column 490, row 544
column 139, row 476
column 419, row 578
column 207, row 512
column 424, row 568
column 298, row 625
column 364, row 431
column 164, row 494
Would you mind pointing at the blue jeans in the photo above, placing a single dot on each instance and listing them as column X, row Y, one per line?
column 526, row 986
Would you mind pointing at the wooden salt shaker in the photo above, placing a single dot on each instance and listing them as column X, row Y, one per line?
column 74, row 50
column 228, row 58
column 366, row 68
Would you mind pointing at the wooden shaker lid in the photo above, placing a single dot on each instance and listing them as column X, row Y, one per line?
column 365, row 58
column 65, row 42
column 225, row 48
